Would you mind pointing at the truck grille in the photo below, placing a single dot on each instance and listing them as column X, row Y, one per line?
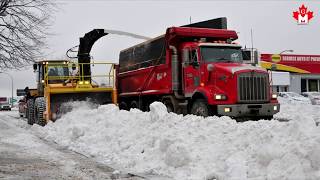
column 253, row 87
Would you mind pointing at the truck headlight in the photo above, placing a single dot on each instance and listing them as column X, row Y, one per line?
column 80, row 82
column 220, row 97
column 227, row 109
column 274, row 96
column 275, row 108
column 86, row 82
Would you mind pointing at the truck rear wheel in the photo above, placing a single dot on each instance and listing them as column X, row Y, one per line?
column 30, row 111
column 40, row 108
column 200, row 108
column 123, row 105
column 169, row 105
column 267, row 117
column 134, row 104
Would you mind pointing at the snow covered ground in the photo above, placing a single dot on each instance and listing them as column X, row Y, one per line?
column 191, row 147
column 26, row 156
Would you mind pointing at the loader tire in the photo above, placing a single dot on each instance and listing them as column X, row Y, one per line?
column 30, row 111
column 200, row 107
column 40, row 108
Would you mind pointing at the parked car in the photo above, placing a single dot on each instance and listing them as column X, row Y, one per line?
column 5, row 107
column 313, row 96
column 22, row 107
column 294, row 97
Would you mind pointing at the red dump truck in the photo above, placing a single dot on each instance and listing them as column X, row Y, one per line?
column 195, row 69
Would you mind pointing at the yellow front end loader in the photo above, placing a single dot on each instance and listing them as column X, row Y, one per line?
column 57, row 85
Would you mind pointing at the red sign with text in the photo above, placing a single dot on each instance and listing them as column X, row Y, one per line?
column 308, row 63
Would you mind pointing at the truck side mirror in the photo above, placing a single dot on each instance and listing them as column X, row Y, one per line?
column 195, row 63
column 210, row 67
column 194, row 58
column 35, row 66
column 185, row 56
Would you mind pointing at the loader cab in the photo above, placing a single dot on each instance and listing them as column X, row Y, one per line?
column 50, row 72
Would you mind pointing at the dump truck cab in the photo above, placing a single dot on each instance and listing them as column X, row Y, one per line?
column 215, row 72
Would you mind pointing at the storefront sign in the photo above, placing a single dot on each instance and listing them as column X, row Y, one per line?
column 292, row 63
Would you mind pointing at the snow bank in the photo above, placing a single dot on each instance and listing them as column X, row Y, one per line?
column 191, row 147
column 297, row 101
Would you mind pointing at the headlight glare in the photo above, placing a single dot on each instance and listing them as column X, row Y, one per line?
column 227, row 109
column 220, row 97
column 274, row 96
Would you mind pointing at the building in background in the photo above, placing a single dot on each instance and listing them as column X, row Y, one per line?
column 290, row 72
column 280, row 81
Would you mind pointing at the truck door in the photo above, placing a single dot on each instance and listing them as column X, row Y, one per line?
column 191, row 68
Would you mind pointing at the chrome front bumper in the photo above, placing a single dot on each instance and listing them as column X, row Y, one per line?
column 248, row 110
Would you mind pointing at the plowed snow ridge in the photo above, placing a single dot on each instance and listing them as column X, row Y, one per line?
column 191, row 147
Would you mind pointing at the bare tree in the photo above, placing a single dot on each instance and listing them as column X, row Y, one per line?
column 23, row 25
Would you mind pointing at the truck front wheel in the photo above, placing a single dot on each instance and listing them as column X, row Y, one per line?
column 168, row 105
column 200, row 108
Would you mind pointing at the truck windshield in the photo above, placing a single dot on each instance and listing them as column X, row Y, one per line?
column 221, row 54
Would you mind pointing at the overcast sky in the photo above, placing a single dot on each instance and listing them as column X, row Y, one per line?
column 274, row 28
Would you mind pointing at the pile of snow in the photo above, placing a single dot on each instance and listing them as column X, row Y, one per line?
column 294, row 111
column 297, row 100
column 191, row 147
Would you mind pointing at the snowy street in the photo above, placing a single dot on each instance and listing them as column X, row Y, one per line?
column 85, row 142
column 26, row 156
column 159, row 90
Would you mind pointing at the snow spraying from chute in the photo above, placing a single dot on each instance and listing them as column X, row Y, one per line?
column 109, row 31
column 123, row 33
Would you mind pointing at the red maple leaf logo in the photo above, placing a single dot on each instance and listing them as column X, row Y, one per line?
column 303, row 11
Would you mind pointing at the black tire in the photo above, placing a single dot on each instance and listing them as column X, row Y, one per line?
column 169, row 105
column 123, row 105
column 267, row 117
column 200, row 108
column 40, row 108
column 30, row 111
column 134, row 104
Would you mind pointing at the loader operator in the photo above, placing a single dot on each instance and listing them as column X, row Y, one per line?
column 73, row 74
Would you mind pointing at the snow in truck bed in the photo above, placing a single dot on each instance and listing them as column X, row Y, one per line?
column 191, row 147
